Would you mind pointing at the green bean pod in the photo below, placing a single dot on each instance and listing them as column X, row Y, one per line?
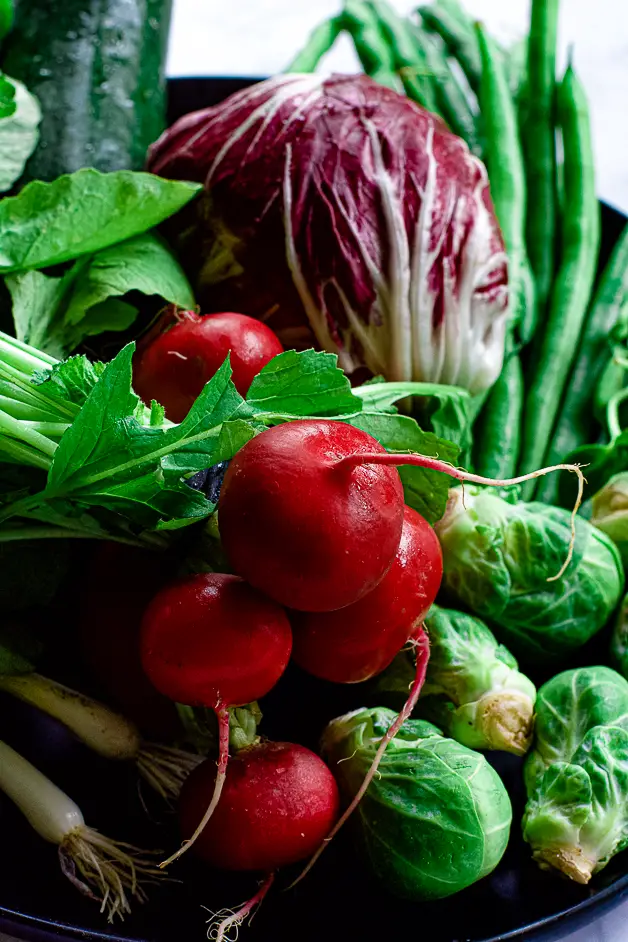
column 575, row 426
column 504, row 160
column 457, row 33
column 539, row 144
column 373, row 51
column 408, row 58
column 319, row 42
column 452, row 100
column 580, row 237
column 498, row 440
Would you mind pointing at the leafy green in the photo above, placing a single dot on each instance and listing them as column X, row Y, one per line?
column 19, row 123
column 82, row 213
column 473, row 689
column 437, row 816
column 425, row 490
column 308, row 383
column 450, row 418
column 498, row 557
column 567, row 707
column 576, row 818
column 70, row 381
column 107, row 458
column 56, row 314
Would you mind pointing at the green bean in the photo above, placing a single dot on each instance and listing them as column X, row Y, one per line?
column 580, row 238
column 515, row 63
column 451, row 98
column 373, row 51
column 504, row 160
column 499, row 436
column 408, row 59
column 459, row 38
column 539, row 144
column 575, row 426
column 320, row 41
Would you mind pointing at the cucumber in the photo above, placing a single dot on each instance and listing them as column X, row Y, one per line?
column 97, row 68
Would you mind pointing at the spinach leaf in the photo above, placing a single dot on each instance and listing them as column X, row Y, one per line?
column 56, row 314
column 305, row 384
column 449, row 418
column 83, row 212
column 19, row 123
column 425, row 490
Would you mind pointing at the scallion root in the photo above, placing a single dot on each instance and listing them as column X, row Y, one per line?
column 106, row 870
column 165, row 768
column 422, row 647
column 224, row 925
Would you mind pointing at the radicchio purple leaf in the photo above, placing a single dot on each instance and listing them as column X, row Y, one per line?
column 339, row 211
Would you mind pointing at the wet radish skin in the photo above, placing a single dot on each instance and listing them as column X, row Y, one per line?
column 279, row 802
column 176, row 364
column 211, row 639
column 312, row 534
column 360, row 641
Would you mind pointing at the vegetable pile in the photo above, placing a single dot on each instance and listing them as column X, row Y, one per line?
column 294, row 408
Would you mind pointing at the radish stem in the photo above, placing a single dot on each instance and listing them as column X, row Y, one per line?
column 222, row 922
column 435, row 464
column 422, row 647
column 97, row 866
column 222, row 714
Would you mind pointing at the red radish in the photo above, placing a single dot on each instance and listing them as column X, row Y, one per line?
column 357, row 642
column 212, row 640
column 311, row 511
column 174, row 366
column 278, row 803
column 312, row 534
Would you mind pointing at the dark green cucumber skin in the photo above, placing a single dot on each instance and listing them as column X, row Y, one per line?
column 98, row 70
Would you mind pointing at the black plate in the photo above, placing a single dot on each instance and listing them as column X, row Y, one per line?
column 338, row 901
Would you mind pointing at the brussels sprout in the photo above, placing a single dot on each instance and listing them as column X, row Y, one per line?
column 577, row 817
column 567, row 707
column 437, row 816
column 498, row 556
column 473, row 689
column 609, row 511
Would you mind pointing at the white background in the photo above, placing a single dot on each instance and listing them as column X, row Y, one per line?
column 258, row 37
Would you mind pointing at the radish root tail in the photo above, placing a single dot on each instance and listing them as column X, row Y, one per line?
column 222, row 713
column 165, row 768
column 224, row 926
column 422, row 647
column 435, row 464
column 106, row 870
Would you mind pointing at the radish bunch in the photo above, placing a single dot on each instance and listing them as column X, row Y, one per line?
column 307, row 525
